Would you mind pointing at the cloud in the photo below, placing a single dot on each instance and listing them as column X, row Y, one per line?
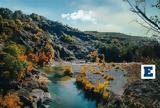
column 112, row 16
column 80, row 15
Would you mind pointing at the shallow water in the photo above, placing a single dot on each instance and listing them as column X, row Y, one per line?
column 66, row 95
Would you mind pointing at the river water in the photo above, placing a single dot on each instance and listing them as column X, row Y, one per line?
column 66, row 95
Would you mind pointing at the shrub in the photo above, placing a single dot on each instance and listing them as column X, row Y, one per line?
column 14, row 65
column 15, row 49
column 3, row 37
column 67, row 38
column 6, row 13
column 18, row 22
column 17, row 14
column 105, row 94
column 42, row 58
column 67, row 69
column 10, row 101
column 108, row 77
column 84, row 69
column 12, row 23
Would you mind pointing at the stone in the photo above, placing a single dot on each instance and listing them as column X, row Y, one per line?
column 144, row 92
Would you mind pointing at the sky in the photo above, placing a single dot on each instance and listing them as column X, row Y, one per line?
column 85, row 15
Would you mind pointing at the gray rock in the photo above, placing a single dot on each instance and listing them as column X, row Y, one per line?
column 145, row 93
column 40, row 98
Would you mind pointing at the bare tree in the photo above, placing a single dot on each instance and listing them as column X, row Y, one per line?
column 150, row 21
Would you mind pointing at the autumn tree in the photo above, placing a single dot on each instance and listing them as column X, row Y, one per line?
column 11, row 100
column 14, row 62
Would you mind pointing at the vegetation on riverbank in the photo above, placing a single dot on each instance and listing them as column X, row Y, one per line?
column 99, row 83
column 60, row 68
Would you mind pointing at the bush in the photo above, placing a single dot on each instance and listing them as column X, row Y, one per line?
column 6, row 13
column 13, row 65
column 67, row 39
column 15, row 49
column 17, row 14
column 10, row 101
column 67, row 69
column 18, row 22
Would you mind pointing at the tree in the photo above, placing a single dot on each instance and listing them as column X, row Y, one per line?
column 17, row 14
column 141, row 7
column 12, row 67
column 6, row 13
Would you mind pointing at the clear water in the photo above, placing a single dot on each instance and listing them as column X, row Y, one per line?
column 66, row 95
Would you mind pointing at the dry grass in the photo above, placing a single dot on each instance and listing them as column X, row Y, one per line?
column 132, row 70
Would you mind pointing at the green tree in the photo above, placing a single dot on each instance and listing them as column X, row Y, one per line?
column 12, row 65
column 17, row 14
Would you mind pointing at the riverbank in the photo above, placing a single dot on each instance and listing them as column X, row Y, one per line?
column 38, row 89
column 32, row 90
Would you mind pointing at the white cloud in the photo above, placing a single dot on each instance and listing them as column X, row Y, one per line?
column 115, row 17
column 80, row 15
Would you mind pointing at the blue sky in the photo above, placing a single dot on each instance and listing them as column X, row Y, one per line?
column 96, row 15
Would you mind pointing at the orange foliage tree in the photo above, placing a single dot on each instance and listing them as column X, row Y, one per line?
column 10, row 101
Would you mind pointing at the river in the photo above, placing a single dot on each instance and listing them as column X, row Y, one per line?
column 66, row 95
